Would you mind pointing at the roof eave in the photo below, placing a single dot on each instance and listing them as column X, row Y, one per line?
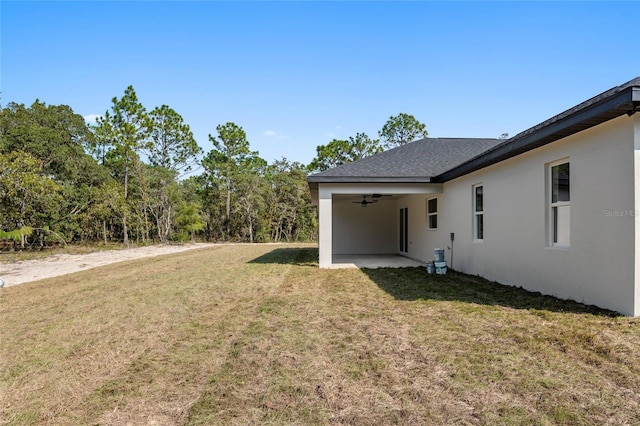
column 314, row 181
column 369, row 179
column 624, row 102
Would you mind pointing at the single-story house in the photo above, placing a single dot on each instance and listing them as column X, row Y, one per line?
column 554, row 209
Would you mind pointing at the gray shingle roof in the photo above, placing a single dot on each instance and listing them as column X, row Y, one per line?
column 420, row 160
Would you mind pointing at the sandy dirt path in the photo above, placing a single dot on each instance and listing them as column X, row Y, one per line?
column 53, row 266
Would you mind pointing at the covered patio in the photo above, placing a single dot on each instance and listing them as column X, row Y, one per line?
column 354, row 234
column 372, row 261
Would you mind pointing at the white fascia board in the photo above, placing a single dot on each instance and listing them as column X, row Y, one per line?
column 327, row 189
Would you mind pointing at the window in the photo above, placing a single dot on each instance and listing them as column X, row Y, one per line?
column 432, row 213
column 478, row 213
column 560, row 202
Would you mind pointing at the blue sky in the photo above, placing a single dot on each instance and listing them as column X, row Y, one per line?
column 295, row 75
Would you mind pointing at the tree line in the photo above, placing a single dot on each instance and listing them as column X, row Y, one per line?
column 129, row 178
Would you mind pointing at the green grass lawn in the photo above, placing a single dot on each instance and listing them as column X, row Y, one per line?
column 259, row 335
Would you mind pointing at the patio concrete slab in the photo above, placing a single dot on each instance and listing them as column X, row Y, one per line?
column 373, row 261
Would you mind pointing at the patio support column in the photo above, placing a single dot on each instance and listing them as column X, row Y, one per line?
column 325, row 212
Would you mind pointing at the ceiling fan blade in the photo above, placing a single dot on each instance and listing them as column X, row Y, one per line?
column 366, row 202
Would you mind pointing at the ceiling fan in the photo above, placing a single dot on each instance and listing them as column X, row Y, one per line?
column 370, row 199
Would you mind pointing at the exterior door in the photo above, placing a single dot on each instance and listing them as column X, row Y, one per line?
column 404, row 230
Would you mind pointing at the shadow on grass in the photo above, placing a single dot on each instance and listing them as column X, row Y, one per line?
column 290, row 256
column 416, row 284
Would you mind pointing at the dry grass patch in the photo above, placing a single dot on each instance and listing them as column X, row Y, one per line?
column 259, row 335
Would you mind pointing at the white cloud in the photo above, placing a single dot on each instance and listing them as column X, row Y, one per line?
column 337, row 131
column 91, row 118
column 274, row 134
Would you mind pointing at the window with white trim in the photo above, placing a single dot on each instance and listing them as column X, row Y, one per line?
column 560, row 203
column 478, row 213
column 432, row 213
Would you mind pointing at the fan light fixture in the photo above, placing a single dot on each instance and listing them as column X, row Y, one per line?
column 364, row 201
column 370, row 199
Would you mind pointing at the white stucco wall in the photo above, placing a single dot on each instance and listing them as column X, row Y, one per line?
column 636, row 126
column 364, row 230
column 599, row 266
column 325, row 226
column 422, row 240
